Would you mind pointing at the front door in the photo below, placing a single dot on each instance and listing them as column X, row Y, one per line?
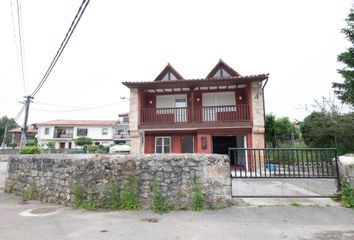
column 187, row 143
column 62, row 145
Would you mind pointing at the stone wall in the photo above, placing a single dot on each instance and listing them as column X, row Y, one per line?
column 346, row 168
column 56, row 175
column 258, row 115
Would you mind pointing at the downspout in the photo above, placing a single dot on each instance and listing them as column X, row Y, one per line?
column 264, row 114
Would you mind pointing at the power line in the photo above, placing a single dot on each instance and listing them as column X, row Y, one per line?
column 19, row 113
column 67, row 37
column 19, row 63
column 21, row 41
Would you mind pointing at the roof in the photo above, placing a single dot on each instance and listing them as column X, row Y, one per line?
column 80, row 122
column 30, row 129
column 222, row 65
column 168, row 69
column 191, row 83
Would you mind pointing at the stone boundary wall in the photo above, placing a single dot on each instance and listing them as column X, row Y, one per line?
column 54, row 176
column 346, row 168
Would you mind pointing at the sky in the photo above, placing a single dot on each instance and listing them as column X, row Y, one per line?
column 295, row 41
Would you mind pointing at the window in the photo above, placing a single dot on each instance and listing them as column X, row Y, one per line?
column 162, row 144
column 221, row 73
column 125, row 119
column 169, row 76
column 104, row 131
column 81, row 132
column 46, row 131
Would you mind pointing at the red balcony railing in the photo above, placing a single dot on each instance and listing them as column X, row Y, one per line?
column 196, row 114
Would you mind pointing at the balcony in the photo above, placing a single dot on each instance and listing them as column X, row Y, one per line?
column 197, row 116
column 63, row 132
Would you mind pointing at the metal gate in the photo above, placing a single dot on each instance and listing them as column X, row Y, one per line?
column 292, row 170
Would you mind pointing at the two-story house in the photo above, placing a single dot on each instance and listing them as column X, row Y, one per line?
column 208, row 115
column 64, row 132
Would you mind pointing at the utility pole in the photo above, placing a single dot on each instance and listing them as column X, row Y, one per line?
column 5, row 134
column 24, row 128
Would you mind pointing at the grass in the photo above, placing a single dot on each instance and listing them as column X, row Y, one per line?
column 346, row 195
column 198, row 196
column 130, row 196
column 159, row 203
column 295, row 204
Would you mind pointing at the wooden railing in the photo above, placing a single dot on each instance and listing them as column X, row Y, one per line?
column 195, row 115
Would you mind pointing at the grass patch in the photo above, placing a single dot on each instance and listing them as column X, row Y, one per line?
column 159, row 203
column 78, row 195
column 346, row 195
column 9, row 188
column 111, row 198
column 295, row 204
column 33, row 193
column 130, row 196
column 198, row 196
column 90, row 203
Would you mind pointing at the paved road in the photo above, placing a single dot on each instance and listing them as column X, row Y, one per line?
column 286, row 222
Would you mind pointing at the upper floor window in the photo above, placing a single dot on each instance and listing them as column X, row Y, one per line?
column 81, row 132
column 46, row 131
column 125, row 119
column 222, row 73
column 169, row 76
column 104, row 131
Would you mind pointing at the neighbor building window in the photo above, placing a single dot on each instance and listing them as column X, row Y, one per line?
column 81, row 132
column 46, row 131
column 162, row 144
column 104, row 131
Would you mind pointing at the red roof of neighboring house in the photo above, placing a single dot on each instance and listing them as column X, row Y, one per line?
column 31, row 129
column 80, row 122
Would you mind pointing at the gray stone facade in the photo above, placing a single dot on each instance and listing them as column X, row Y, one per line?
column 346, row 168
column 56, row 175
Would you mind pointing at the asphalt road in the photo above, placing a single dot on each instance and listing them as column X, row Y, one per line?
column 32, row 220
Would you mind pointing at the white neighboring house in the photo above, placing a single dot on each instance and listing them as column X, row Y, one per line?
column 64, row 132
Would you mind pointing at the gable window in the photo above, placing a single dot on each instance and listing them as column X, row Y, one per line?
column 104, row 131
column 46, row 131
column 169, row 76
column 81, row 132
column 162, row 144
column 221, row 73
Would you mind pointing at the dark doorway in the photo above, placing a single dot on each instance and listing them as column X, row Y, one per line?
column 62, row 145
column 187, row 143
column 221, row 144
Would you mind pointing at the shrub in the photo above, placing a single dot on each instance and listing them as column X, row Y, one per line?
column 346, row 195
column 81, row 141
column 198, row 196
column 78, row 195
column 111, row 198
column 158, row 202
column 130, row 198
column 31, row 142
column 30, row 150
column 92, row 149
column 13, row 145
column 33, row 193
column 90, row 204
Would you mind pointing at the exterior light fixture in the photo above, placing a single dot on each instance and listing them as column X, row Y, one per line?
column 150, row 101
column 198, row 99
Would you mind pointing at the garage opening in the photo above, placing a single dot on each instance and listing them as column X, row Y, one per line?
column 221, row 145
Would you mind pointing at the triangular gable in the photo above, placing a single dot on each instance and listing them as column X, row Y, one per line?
column 168, row 73
column 221, row 69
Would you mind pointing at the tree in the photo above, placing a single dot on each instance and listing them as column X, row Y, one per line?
column 277, row 127
column 82, row 141
column 10, row 125
column 345, row 90
column 329, row 130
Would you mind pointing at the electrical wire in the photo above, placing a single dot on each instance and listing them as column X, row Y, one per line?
column 20, row 64
column 67, row 37
column 19, row 113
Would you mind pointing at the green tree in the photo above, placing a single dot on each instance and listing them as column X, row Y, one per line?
column 81, row 141
column 324, row 130
column 10, row 125
column 345, row 90
column 277, row 127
